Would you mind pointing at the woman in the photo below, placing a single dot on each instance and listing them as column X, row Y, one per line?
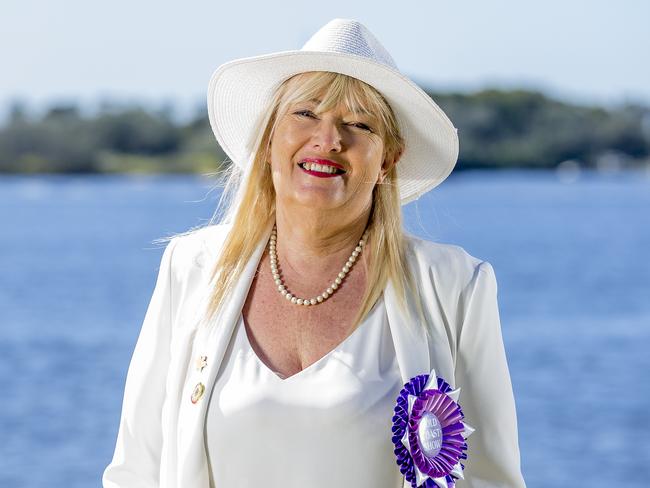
column 276, row 345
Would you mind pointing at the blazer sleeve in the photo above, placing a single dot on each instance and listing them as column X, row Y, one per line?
column 486, row 396
column 136, row 460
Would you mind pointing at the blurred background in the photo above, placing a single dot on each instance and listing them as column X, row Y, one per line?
column 105, row 146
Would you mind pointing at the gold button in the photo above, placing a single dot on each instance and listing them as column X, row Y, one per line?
column 199, row 389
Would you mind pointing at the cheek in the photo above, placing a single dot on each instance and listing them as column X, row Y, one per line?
column 373, row 154
column 284, row 145
column 286, row 140
column 278, row 155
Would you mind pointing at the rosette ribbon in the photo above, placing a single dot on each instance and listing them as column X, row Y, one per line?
column 429, row 433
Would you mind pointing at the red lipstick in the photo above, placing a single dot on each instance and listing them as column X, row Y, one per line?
column 322, row 162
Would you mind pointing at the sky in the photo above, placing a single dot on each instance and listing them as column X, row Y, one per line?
column 159, row 52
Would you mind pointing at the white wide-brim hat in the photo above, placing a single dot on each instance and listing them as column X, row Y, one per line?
column 240, row 92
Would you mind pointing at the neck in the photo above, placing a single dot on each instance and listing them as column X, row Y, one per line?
column 314, row 244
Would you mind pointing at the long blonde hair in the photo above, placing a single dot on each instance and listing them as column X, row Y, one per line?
column 248, row 201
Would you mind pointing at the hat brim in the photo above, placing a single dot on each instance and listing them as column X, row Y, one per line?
column 239, row 91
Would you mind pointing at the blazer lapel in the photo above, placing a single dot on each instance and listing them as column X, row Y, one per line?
column 419, row 347
column 211, row 342
column 409, row 335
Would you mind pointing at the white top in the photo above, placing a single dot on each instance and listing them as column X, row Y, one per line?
column 328, row 425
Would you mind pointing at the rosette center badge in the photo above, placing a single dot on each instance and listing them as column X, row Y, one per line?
column 429, row 433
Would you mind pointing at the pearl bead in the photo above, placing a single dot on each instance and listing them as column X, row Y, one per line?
column 273, row 257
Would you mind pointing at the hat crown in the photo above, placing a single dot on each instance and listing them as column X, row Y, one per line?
column 346, row 36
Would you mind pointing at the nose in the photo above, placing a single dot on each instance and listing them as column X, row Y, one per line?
column 327, row 136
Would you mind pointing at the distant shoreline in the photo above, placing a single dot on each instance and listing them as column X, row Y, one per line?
column 497, row 129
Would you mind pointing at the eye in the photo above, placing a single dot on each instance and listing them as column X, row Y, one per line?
column 305, row 113
column 361, row 125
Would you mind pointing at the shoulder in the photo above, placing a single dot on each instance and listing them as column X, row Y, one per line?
column 197, row 248
column 446, row 258
column 447, row 264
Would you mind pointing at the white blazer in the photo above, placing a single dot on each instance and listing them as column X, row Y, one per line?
column 161, row 439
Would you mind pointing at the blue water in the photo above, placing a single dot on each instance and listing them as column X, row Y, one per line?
column 77, row 268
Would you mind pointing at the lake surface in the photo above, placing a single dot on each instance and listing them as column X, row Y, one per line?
column 572, row 262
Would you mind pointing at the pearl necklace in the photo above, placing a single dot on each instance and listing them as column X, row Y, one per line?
column 330, row 290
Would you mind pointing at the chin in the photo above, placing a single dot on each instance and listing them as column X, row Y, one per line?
column 317, row 202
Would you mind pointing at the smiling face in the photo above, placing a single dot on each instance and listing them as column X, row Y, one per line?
column 326, row 160
column 327, row 148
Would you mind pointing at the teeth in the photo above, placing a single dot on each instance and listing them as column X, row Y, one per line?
column 321, row 168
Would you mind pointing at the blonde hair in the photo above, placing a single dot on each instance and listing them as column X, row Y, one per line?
column 248, row 204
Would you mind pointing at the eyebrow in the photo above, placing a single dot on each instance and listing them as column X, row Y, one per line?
column 365, row 113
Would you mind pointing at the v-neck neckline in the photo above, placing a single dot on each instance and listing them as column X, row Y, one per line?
column 305, row 371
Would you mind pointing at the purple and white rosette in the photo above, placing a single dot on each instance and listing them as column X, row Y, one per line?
column 429, row 433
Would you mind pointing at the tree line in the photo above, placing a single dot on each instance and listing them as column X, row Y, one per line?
column 497, row 129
